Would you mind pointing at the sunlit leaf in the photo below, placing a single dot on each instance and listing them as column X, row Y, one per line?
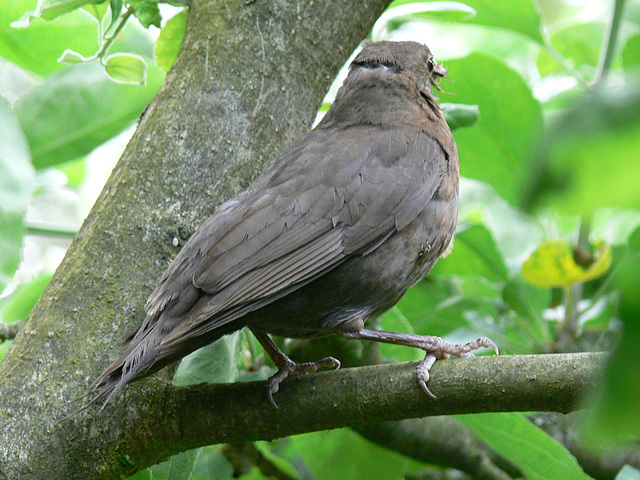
column 170, row 40
column 50, row 9
column 579, row 44
column 521, row 16
column 38, row 47
column 126, row 68
column 401, row 11
column 553, row 264
column 70, row 57
column 94, row 108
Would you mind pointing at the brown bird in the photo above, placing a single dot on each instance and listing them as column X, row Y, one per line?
column 333, row 232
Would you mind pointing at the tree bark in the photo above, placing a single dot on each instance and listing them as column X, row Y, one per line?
column 248, row 81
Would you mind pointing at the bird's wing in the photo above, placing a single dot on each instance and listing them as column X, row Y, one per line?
column 343, row 195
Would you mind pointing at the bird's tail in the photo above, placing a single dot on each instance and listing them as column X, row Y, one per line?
column 137, row 361
column 144, row 356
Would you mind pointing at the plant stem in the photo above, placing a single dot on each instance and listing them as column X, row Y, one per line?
column 50, row 229
column 558, row 57
column 609, row 45
column 109, row 39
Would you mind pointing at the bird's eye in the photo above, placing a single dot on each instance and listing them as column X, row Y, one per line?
column 431, row 65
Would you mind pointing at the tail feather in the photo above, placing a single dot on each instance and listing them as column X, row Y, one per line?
column 143, row 357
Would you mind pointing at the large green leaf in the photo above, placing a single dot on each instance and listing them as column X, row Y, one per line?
column 16, row 184
column 38, row 47
column 592, row 155
column 77, row 109
column 538, row 455
column 499, row 148
column 521, row 16
column 580, row 44
column 326, row 459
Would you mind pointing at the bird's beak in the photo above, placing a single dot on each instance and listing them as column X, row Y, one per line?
column 438, row 72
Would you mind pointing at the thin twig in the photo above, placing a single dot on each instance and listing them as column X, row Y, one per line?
column 609, row 46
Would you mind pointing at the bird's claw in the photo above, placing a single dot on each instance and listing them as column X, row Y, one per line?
column 291, row 369
column 445, row 349
column 422, row 373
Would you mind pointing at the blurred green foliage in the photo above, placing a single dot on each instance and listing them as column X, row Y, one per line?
column 549, row 144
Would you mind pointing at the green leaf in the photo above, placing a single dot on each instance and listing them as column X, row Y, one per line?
column 116, row 9
column 212, row 464
column 538, row 455
column 51, row 9
column 38, row 47
column 178, row 467
column 394, row 321
column 553, row 264
column 214, row 363
column 613, row 415
column 521, row 16
column 516, row 233
column 631, row 54
column 590, row 154
column 71, row 58
column 460, row 116
column 94, row 108
column 126, row 68
column 326, row 459
column 16, row 185
column 19, row 304
column 580, row 44
column 529, row 331
column 498, row 149
column 282, row 464
column 147, row 12
column 476, row 254
column 170, row 40
column 96, row 10
column 402, row 11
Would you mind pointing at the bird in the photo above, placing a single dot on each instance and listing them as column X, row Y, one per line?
column 333, row 232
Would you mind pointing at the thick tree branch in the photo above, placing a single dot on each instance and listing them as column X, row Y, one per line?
column 355, row 397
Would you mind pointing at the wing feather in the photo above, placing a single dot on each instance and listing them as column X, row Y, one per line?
column 299, row 220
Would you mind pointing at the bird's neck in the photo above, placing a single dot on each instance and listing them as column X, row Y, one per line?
column 373, row 98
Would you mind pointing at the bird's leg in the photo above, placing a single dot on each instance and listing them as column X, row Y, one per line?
column 286, row 366
column 435, row 347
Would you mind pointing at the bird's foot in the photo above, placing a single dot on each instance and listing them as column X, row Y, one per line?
column 440, row 348
column 289, row 368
